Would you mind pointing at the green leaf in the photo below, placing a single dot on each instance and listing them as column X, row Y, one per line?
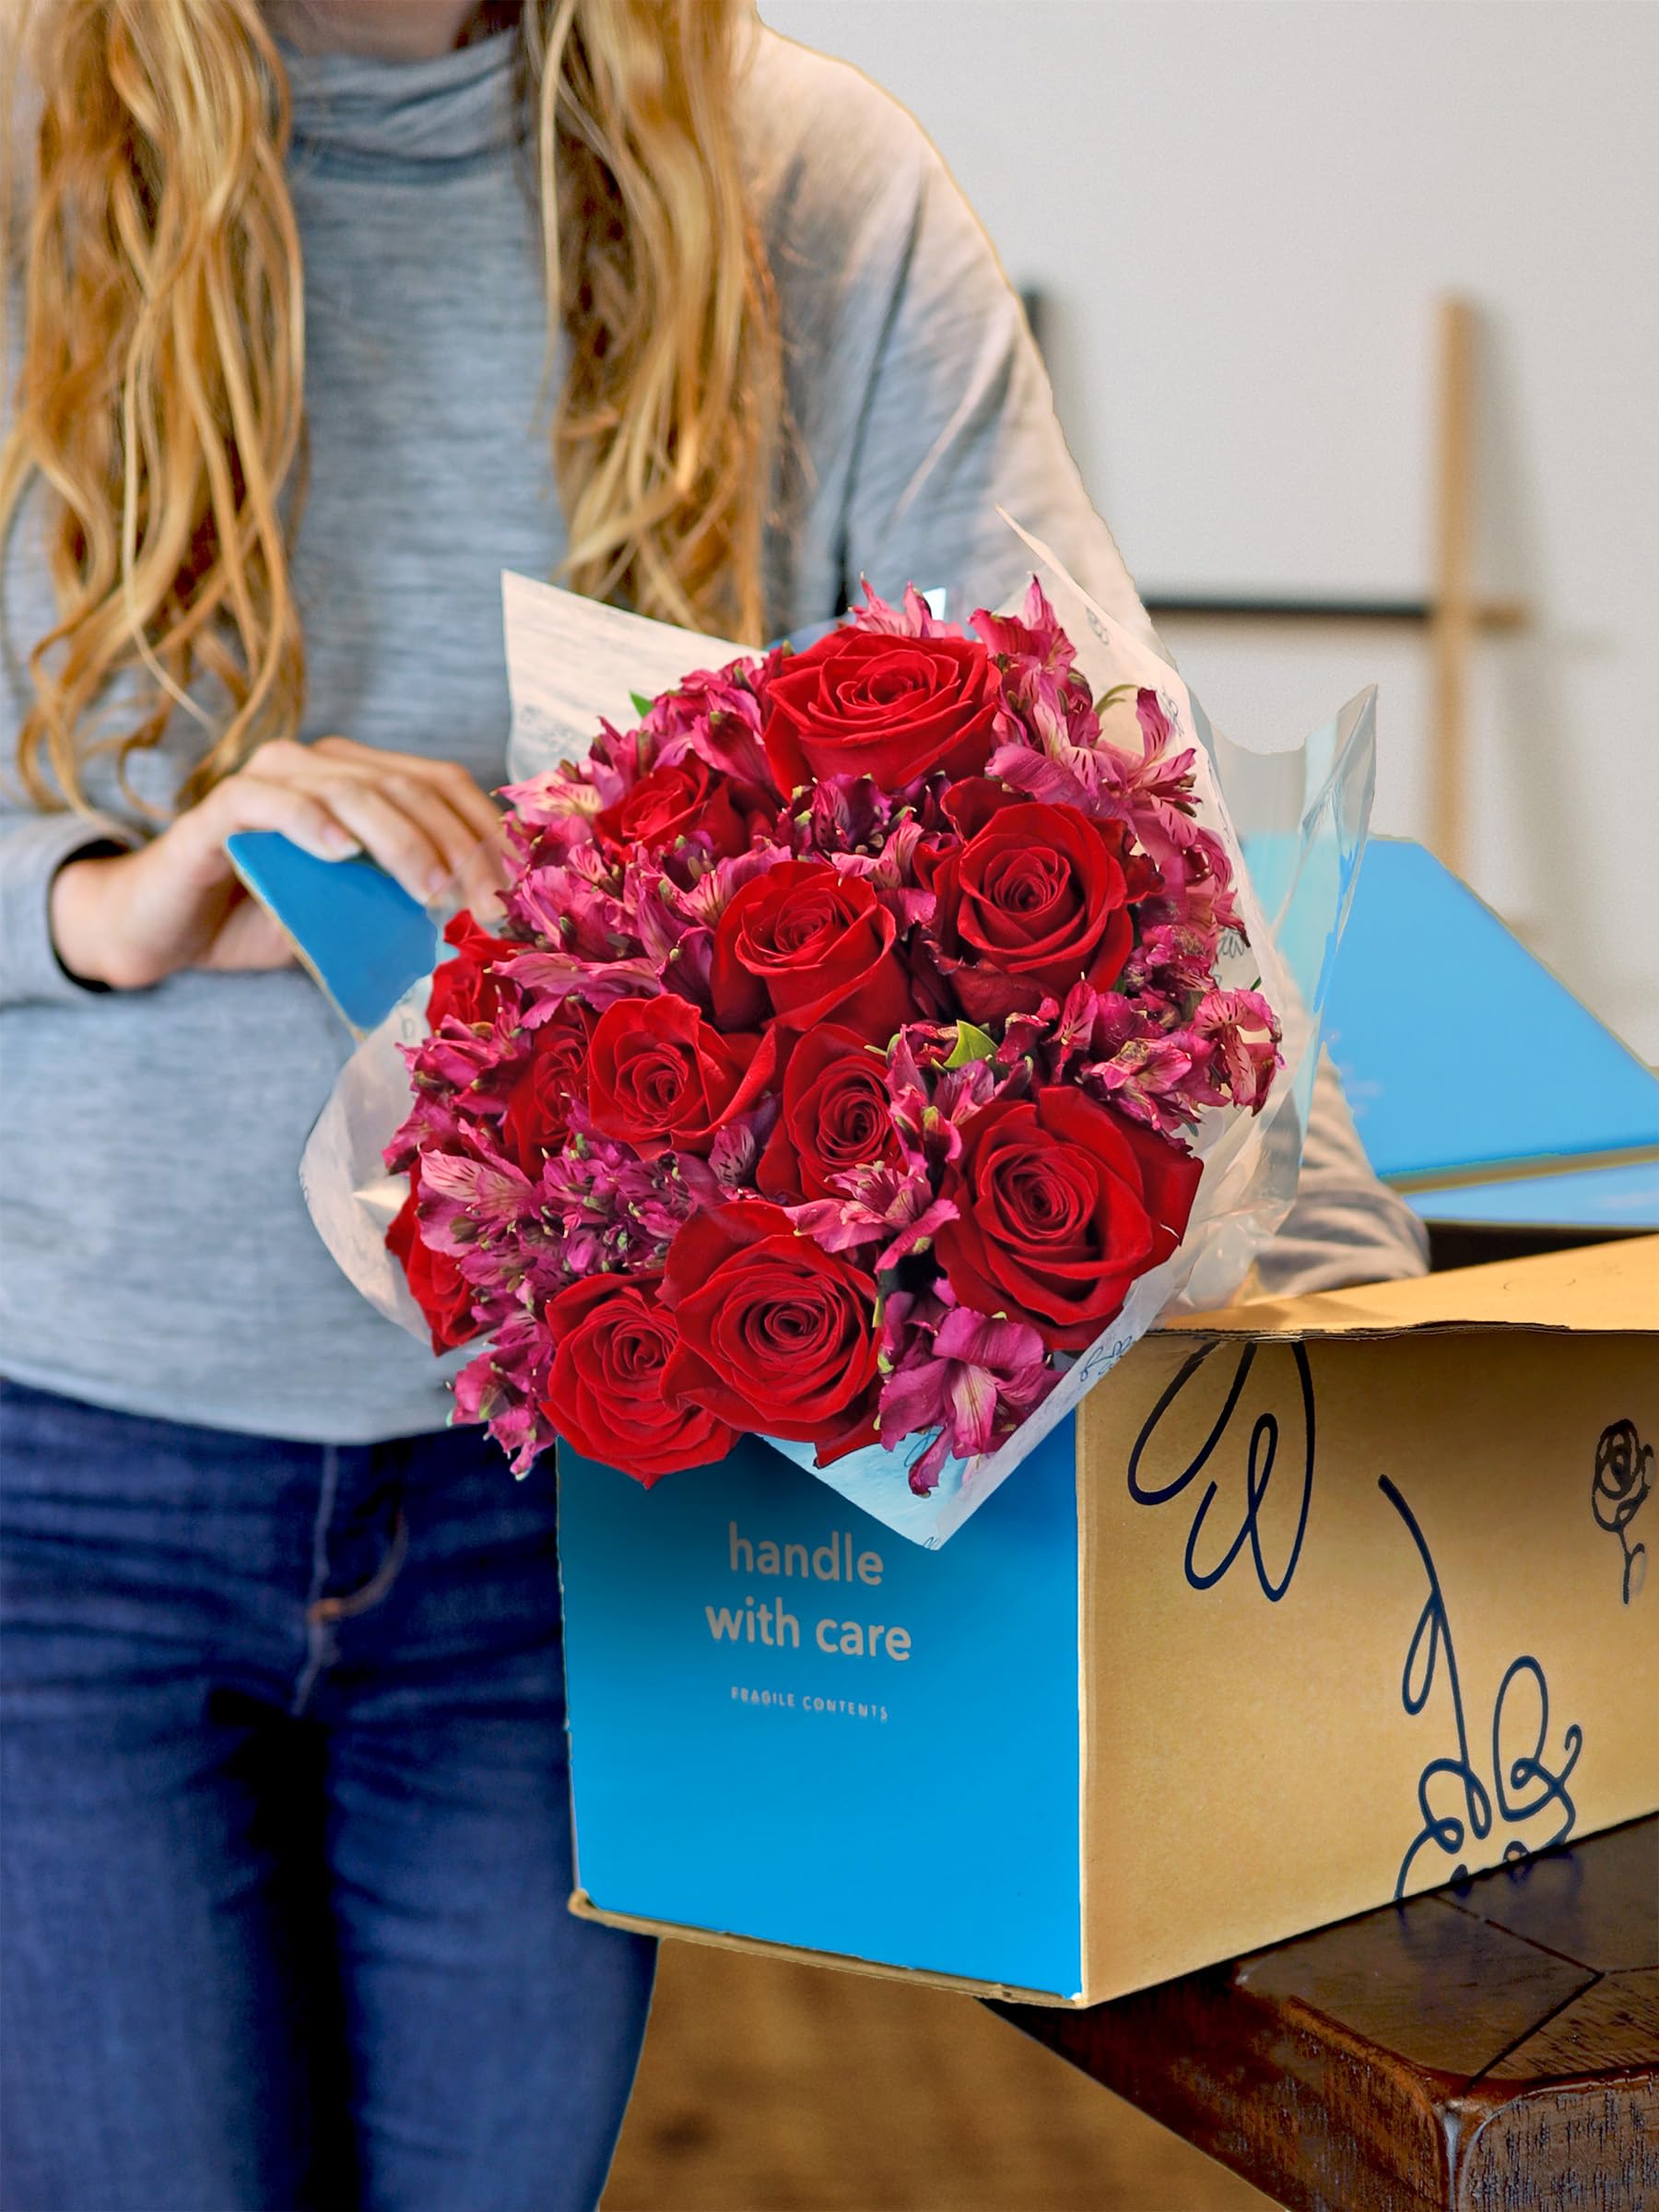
column 971, row 1044
column 642, row 705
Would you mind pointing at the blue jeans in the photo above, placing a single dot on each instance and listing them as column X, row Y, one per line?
column 285, row 1833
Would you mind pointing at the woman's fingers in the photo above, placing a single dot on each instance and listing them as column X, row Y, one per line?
column 455, row 835
column 253, row 801
column 421, row 819
column 133, row 919
column 447, row 779
column 484, row 878
column 393, row 827
column 463, row 793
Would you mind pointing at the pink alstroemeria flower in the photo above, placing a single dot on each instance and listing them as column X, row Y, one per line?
column 1145, row 1079
column 505, row 1386
column 613, row 1212
column 913, row 619
column 973, row 1377
column 717, row 713
column 893, row 1207
column 1245, row 1034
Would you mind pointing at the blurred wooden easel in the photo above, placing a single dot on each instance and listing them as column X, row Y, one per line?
column 1456, row 614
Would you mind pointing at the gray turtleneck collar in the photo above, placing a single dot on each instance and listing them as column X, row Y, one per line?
column 356, row 111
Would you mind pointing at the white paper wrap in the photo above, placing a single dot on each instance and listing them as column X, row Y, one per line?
column 1294, row 822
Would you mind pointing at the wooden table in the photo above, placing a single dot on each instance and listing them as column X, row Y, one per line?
column 1488, row 2048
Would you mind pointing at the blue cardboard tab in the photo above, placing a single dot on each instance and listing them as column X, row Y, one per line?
column 359, row 933
column 743, row 1760
column 1456, row 1048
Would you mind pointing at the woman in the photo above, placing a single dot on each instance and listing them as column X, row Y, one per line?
column 286, row 1838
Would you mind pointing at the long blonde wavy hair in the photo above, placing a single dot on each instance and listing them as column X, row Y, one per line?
column 160, row 403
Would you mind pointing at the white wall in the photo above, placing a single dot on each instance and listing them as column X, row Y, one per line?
column 1241, row 212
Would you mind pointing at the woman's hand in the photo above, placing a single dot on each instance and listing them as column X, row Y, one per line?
column 176, row 902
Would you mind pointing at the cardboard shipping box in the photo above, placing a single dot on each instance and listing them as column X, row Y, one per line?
column 1310, row 1604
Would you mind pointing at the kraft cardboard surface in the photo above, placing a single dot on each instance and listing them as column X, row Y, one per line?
column 1354, row 1625
column 1604, row 1288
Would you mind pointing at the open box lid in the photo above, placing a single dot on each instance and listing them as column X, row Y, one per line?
column 1599, row 1289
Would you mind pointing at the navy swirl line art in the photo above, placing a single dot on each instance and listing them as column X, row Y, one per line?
column 1261, row 1457
column 1618, row 1490
column 1512, row 1778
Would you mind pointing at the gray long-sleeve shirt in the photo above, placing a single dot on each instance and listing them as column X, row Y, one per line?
column 155, row 1254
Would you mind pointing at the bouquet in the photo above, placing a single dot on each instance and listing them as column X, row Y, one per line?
column 842, row 1057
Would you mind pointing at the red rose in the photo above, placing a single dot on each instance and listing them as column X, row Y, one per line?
column 836, row 1115
column 462, row 985
column 1061, row 1204
column 806, row 943
column 672, row 802
column 659, row 1075
column 604, row 1392
column 862, row 702
column 1032, row 904
column 439, row 1287
column 538, row 1119
column 776, row 1336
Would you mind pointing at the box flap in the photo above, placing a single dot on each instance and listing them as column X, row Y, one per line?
column 1606, row 1290
column 1427, row 978
column 1584, row 1198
